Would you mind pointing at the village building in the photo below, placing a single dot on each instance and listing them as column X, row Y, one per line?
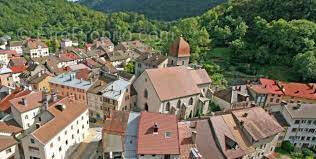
column 40, row 81
column 270, row 92
column 59, row 127
column 8, row 147
column 36, row 48
column 149, row 61
column 68, row 59
column 299, row 120
column 242, row 134
column 179, row 53
column 17, row 61
column 117, row 58
column 16, row 71
column 4, row 57
column 16, row 46
column 173, row 90
column 233, row 98
column 103, row 43
column 5, row 77
column 157, row 136
column 5, row 106
column 68, row 85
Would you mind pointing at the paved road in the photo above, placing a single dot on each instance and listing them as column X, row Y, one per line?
column 87, row 149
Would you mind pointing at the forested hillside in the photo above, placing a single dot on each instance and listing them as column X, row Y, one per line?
column 240, row 39
column 155, row 9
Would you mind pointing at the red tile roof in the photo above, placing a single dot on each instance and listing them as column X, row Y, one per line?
column 172, row 82
column 68, row 56
column 200, row 76
column 9, row 52
column 117, row 122
column 10, row 127
column 61, row 119
column 179, row 48
column 258, row 128
column 5, row 103
column 300, row 90
column 6, row 142
column 34, row 43
column 83, row 74
column 33, row 100
column 185, row 139
column 150, row 143
column 18, row 61
column 18, row 69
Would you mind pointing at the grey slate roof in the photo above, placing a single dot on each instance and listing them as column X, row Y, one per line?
column 114, row 90
column 68, row 79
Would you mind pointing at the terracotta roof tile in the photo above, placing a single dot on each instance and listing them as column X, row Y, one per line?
column 6, row 142
column 200, row 76
column 34, row 43
column 33, row 100
column 185, row 139
column 150, row 143
column 10, row 127
column 18, row 69
column 117, row 122
column 180, row 48
column 172, row 82
column 61, row 119
column 5, row 103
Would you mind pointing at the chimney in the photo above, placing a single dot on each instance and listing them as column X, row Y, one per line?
column 54, row 97
column 45, row 99
column 155, row 128
column 193, row 136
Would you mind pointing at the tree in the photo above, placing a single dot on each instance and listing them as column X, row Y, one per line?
column 287, row 146
column 305, row 64
column 129, row 67
column 307, row 152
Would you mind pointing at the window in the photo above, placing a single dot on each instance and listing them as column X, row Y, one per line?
column 309, row 122
column 179, row 104
column 271, row 99
column 182, row 62
column 26, row 116
column 168, row 106
column 191, row 101
column 278, row 100
column 72, row 136
column 78, row 131
column 66, row 142
column 39, row 119
column 294, row 129
column 308, row 138
column 146, row 107
column 58, row 138
column 72, row 127
column 32, row 141
column 60, row 148
column 51, row 145
column 66, row 132
column 146, row 93
column 303, row 138
column 296, row 122
column 82, row 118
column 8, row 150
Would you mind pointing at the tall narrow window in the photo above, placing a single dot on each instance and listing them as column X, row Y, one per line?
column 179, row 104
column 168, row 106
column 191, row 101
column 146, row 93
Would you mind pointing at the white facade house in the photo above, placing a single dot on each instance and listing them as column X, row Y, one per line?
column 65, row 43
column 8, row 148
column 16, row 45
column 301, row 122
column 24, row 109
column 37, row 48
column 58, row 131
column 4, row 58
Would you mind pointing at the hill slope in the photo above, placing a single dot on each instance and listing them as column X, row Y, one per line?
column 155, row 9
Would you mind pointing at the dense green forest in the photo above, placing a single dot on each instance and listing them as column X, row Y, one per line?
column 155, row 9
column 240, row 39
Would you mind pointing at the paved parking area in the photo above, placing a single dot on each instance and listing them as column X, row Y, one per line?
column 87, row 149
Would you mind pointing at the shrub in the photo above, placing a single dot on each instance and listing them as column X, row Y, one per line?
column 287, row 146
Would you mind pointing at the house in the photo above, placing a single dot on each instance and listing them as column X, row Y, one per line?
column 40, row 81
column 269, row 92
column 157, row 136
column 8, row 147
column 36, row 48
column 4, row 41
column 16, row 45
column 31, row 70
column 103, row 43
column 59, row 128
column 17, row 61
column 111, row 93
column 68, row 85
column 300, row 123
column 173, row 90
column 4, row 58
column 5, row 107
column 131, row 45
column 68, row 59
column 233, row 97
column 149, row 61
column 113, row 134
column 67, row 43
column 117, row 58
column 25, row 108
column 179, row 53
column 16, row 71
column 5, row 77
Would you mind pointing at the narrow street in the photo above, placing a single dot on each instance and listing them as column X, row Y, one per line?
column 87, row 149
